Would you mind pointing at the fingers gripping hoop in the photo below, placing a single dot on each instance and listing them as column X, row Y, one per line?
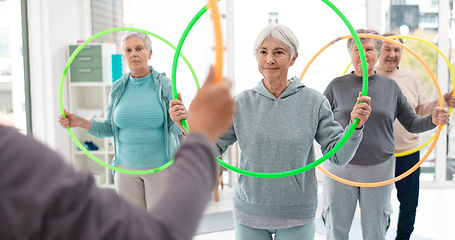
column 301, row 169
column 62, row 81
column 438, row 132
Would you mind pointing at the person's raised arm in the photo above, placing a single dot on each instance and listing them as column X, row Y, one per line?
column 181, row 207
column 38, row 184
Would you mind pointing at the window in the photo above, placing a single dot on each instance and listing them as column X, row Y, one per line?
column 273, row 17
column 12, row 94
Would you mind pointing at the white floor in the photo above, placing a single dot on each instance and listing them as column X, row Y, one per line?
column 435, row 214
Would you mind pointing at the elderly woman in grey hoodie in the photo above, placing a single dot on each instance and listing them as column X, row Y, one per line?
column 275, row 125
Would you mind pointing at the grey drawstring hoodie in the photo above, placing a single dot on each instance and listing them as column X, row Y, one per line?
column 277, row 135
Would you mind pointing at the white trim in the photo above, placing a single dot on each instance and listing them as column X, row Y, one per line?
column 50, row 32
column 374, row 14
column 443, row 80
column 233, row 151
column 38, row 32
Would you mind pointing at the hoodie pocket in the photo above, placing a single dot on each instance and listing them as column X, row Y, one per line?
column 283, row 191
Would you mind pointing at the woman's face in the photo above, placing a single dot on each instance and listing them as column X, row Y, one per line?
column 390, row 56
column 136, row 54
column 274, row 59
column 371, row 55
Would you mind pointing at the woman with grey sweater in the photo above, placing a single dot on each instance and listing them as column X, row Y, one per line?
column 275, row 125
column 374, row 160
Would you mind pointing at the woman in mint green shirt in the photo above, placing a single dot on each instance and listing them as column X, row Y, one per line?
column 142, row 141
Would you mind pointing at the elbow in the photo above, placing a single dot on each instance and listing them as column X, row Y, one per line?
column 340, row 161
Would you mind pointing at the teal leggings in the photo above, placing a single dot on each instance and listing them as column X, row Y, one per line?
column 305, row 232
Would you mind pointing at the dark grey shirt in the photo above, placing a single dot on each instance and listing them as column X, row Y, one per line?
column 42, row 197
column 387, row 104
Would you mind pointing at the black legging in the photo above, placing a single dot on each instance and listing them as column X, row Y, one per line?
column 407, row 194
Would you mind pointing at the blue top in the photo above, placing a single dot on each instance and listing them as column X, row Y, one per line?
column 141, row 136
column 108, row 128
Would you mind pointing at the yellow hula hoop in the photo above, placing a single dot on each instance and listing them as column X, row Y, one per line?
column 451, row 73
column 346, row 70
column 405, row 153
column 438, row 132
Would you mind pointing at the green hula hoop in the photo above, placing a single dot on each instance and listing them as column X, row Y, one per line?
column 310, row 165
column 62, row 81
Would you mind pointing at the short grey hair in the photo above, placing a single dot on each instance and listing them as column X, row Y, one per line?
column 281, row 33
column 143, row 36
column 377, row 42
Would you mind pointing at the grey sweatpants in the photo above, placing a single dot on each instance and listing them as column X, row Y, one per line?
column 340, row 200
column 142, row 191
column 305, row 232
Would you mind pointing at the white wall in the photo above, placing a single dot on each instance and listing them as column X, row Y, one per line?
column 53, row 24
column 51, row 30
column 169, row 19
column 314, row 23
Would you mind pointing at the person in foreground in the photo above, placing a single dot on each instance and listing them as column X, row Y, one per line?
column 276, row 125
column 138, row 120
column 42, row 197
column 407, row 188
column 374, row 160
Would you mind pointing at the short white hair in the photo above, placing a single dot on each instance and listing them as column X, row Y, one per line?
column 143, row 36
column 281, row 33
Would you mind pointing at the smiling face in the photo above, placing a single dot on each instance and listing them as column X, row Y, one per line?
column 136, row 56
column 390, row 57
column 371, row 55
column 274, row 60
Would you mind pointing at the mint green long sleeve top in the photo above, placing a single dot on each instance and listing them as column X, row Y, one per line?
column 109, row 129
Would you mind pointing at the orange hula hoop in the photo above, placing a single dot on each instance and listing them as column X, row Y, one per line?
column 218, row 40
column 438, row 131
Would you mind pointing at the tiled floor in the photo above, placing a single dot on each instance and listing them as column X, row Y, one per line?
column 435, row 216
